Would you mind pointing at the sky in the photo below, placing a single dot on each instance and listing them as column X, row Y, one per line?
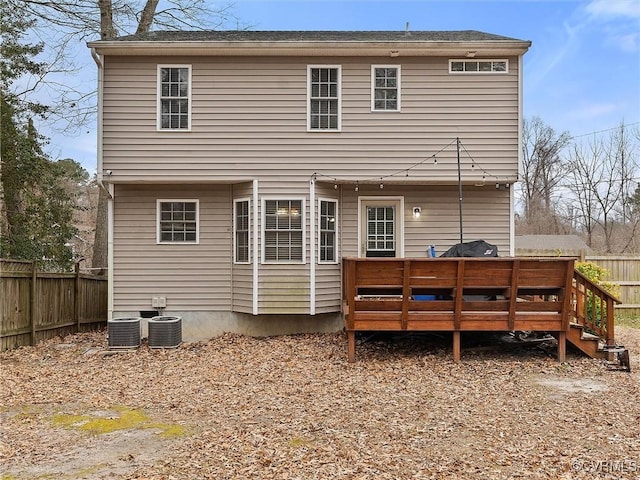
column 581, row 74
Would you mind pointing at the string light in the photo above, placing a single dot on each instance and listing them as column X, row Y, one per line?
column 434, row 158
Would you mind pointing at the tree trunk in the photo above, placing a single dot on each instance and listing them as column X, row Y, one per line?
column 107, row 29
column 146, row 19
column 100, row 257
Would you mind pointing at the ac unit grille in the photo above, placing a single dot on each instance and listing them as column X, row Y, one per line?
column 124, row 332
column 165, row 332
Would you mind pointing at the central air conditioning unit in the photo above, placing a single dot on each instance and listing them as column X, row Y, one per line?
column 165, row 332
column 124, row 332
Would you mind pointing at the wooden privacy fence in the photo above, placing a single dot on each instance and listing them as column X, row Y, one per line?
column 625, row 272
column 37, row 305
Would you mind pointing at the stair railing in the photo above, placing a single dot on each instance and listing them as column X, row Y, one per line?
column 593, row 308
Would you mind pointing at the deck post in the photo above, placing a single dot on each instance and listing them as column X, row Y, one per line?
column 611, row 341
column 351, row 341
column 456, row 346
column 562, row 346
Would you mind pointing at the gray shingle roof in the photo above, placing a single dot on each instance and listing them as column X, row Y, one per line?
column 550, row 242
column 316, row 36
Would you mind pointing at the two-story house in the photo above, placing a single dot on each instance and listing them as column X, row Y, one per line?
column 242, row 166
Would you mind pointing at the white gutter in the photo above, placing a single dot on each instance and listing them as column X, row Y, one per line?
column 312, row 48
column 312, row 247
column 255, row 247
column 99, row 178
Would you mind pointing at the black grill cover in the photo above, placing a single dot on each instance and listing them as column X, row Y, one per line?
column 477, row 248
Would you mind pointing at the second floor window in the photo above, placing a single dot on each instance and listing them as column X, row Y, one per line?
column 324, row 98
column 385, row 88
column 174, row 97
column 478, row 66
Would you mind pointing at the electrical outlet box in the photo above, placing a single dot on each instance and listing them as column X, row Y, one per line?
column 159, row 302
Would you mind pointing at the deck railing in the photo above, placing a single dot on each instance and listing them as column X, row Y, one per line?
column 457, row 294
column 593, row 308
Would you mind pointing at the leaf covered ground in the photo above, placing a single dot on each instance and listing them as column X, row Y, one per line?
column 291, row 407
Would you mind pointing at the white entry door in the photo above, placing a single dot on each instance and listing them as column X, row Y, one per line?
column 381, row 227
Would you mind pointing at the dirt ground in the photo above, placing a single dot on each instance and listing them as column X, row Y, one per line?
column 293, row 408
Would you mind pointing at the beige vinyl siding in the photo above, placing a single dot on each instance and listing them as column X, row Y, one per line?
column 249, row 120
column 285, row 288
column 328, row 276
column 485, row 214
column 485, row 217
column 328, row 291
column 191, row 277
column 242, row 274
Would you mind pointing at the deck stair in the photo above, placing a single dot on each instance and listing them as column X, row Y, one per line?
column 589, row 344
column 591, row 326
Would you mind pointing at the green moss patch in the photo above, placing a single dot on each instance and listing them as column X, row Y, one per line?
column 118, row 418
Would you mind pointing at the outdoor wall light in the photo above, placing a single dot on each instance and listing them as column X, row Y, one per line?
column 417, row 211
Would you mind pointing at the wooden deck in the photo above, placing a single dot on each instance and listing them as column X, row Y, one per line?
column 461, row 294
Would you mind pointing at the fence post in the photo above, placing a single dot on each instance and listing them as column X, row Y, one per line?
column 76, row 296
column 33, row 304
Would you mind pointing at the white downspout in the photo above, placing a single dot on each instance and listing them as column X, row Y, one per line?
column 312, row 247
column 255, row 247
column 512, row 197
column 99, row 178
column 110, row 219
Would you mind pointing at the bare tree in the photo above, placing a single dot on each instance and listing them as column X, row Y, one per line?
column 75, row 20
column 602, row 178
column 583, row 183
column 625, row 152
column 543, row 171
column 65, row 24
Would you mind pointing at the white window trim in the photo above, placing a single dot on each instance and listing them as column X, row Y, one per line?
column 263, row 261
column 479, row 60
column 382, row 199
column 327, row 262
column 159, row 103
column 181, row 200
column 235, row 250
column 320, row 130
column 373, row 88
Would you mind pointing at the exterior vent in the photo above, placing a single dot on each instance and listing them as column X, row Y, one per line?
column 124, row 332
column 165, row 332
